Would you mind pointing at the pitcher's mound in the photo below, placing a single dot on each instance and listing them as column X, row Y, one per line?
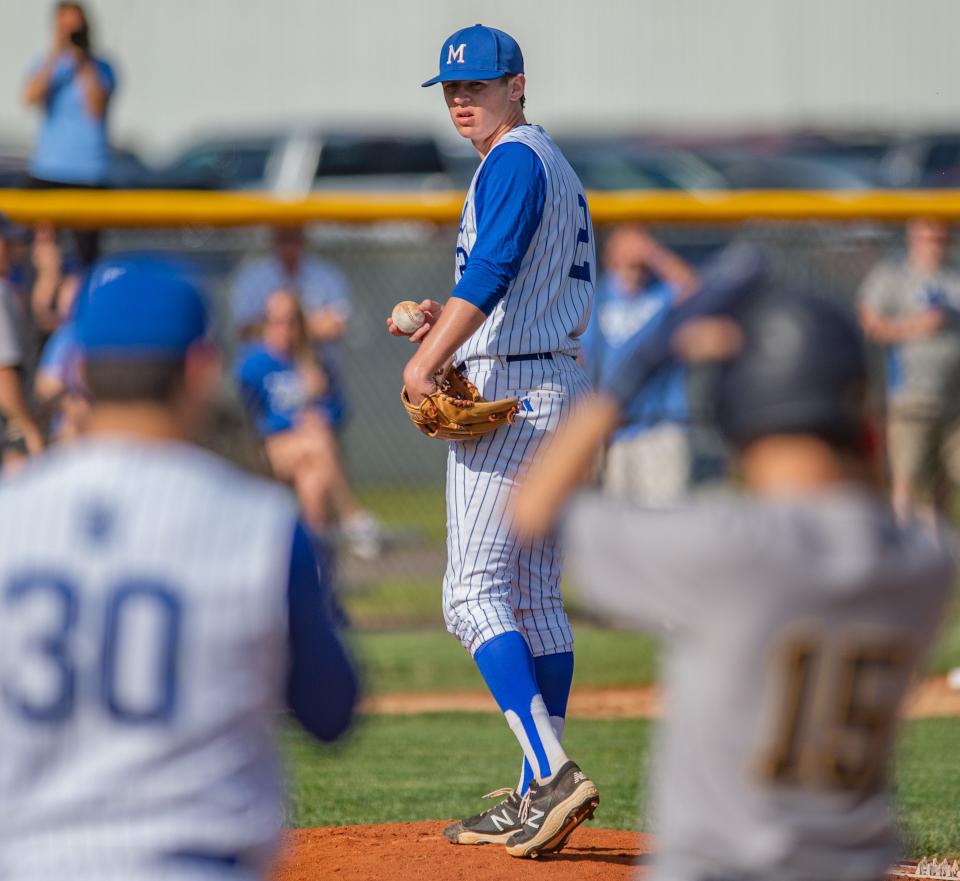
column 417, row 851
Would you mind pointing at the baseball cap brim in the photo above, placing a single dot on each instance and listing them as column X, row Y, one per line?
column 464, row 76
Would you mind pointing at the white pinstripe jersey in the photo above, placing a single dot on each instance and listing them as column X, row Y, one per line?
column 547, row 306
column 143, row 651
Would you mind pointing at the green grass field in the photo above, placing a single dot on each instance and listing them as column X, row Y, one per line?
column 409, row 509
column 432, row 660
column 429, row 659
column 437, row 766
column 434, row 766
column 405, row 768
column 420, row 656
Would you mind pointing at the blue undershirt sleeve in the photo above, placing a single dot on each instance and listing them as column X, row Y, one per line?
column 322, row 684
column 727, row 281
column 508, row 203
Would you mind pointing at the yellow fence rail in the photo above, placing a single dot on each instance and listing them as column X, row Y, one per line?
column 167, row 208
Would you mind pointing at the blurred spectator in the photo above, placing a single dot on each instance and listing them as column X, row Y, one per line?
column 58, row 387
column 286, row 392
column 320, row 287
column 55, row 282
column 19, row 434
column 323, row 293
column 649, row 458
column 73, row 87
column 16, row 254
column 910, row 307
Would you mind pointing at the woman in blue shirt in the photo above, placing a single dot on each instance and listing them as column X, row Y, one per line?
column 286, row 393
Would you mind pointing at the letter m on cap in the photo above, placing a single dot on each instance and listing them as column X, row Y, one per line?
column 455, row 55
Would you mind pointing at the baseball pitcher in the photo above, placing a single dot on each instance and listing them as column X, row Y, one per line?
column 524, row 284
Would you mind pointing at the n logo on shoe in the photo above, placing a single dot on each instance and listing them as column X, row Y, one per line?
column 502, row 822
column 535, row 818
column 579, row 776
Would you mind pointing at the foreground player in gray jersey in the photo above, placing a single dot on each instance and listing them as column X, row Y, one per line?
column 796, row 616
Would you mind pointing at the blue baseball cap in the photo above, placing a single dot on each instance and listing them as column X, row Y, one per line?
column 478, row 53
column 139, row 307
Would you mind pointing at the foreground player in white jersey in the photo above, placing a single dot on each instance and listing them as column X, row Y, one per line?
column 156, row 604
column 525, row 274
column 795, row 616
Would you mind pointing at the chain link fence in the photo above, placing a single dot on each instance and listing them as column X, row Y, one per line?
column 397, row 473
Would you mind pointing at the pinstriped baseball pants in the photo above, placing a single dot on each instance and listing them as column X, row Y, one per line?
column 493, row 584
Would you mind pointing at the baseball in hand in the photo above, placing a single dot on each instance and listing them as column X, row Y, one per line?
column 408, row 316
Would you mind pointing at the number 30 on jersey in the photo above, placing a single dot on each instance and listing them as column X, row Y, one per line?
column 129, row 674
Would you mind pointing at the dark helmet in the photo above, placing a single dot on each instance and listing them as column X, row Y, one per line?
column 802, row 370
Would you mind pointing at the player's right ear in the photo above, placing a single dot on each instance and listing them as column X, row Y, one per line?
column 516, row 87
column 202, row 371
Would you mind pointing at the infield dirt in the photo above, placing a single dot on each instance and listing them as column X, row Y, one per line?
column 929, row 698
column 401, row 851
column 417, row 851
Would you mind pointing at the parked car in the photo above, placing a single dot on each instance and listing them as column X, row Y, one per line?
column 743, row 171
column 925, row 160
column 608, row 163
column 863, row 154
column 296, row 161
column 14, row 162
column 127, row 170
column 801, row 159
column 628, row 164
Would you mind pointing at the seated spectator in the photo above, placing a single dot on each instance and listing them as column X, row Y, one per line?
column 321, row 289
column 58, row 386
column 56, row 281
column 19, row 434
column 72, row 86
column 649, row 458
column 288, row 396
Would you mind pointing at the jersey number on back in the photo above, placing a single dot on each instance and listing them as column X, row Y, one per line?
column 581, row 271
column 130, row 668
column 836, row 703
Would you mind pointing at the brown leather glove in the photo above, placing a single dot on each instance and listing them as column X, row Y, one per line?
column 457, row 410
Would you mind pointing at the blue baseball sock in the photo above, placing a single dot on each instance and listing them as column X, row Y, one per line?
column 508, row 669
column 554, row 676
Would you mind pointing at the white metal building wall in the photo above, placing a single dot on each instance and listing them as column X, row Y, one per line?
column 189, row 65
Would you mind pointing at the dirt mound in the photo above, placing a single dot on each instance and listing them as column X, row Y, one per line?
column 401, row 851
column 642, row 702
column 932, row 698
column 929, row 698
